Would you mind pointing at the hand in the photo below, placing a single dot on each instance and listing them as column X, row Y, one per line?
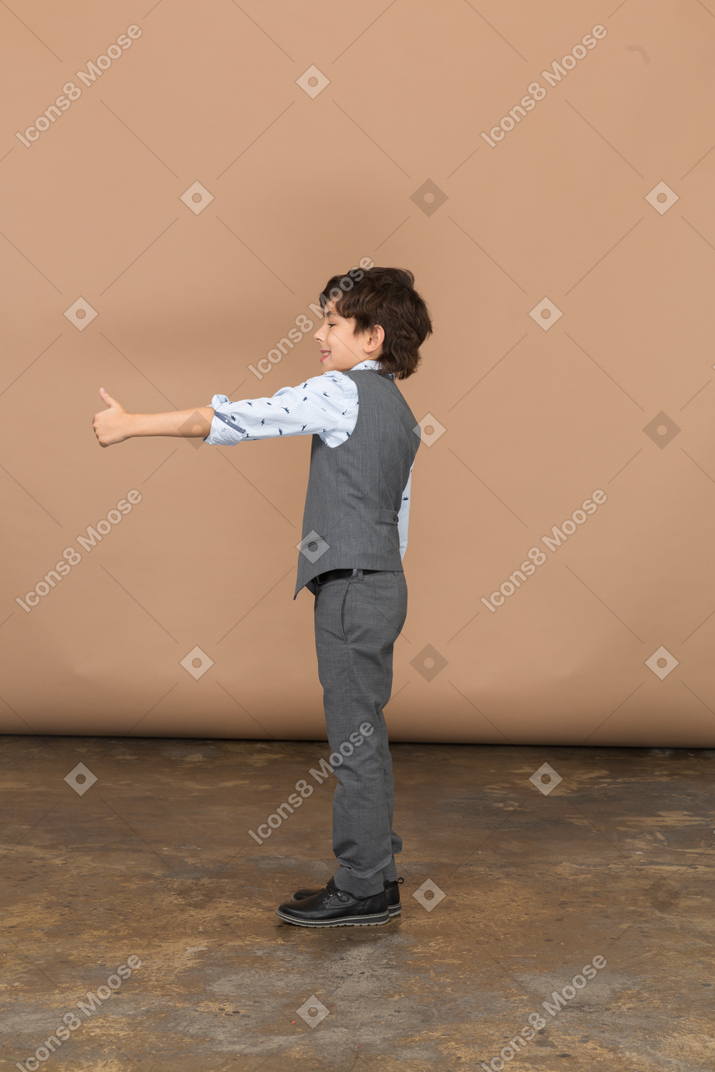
column 112, row 425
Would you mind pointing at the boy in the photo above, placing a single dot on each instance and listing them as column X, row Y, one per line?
column 365, row 438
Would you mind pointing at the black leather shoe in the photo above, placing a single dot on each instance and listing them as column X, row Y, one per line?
column 392, row 889
column 331, row 907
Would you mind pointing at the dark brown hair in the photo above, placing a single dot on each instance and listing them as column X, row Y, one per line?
column 384, row 296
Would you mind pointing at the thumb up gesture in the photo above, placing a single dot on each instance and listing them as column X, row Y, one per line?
column 112, row 425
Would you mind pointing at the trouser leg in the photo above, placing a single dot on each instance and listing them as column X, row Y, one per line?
column 357, row 620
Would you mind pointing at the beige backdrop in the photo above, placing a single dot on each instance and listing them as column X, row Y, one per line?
column 174, row 219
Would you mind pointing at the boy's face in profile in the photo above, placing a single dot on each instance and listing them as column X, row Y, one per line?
column 340, row 349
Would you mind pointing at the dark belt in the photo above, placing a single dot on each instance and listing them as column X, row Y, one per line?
column 331, row 573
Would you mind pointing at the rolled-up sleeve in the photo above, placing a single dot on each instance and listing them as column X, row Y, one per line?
column 225, row 428
column 323, row 404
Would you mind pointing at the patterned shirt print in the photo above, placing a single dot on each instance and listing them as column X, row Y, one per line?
column 325, row 405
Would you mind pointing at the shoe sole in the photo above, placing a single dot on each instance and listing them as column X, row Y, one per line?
column 394, row 910
column 347, row 921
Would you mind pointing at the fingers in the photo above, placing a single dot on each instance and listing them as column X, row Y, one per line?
column 95, row 429
column 109, row 401
column 99, row 420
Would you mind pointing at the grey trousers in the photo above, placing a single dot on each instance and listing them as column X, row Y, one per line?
column 357, row 620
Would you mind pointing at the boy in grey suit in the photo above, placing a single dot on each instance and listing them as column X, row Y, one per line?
column 349, row 557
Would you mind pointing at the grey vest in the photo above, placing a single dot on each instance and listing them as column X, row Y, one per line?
column 355, row 490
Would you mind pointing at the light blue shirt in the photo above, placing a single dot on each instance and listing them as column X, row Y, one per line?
column 324, row 405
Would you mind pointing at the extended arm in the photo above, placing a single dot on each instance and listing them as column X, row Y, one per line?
column 179, row 422
column 114, row 425
column 324, row 405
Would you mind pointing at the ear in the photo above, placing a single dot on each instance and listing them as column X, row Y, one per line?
column 376, row 337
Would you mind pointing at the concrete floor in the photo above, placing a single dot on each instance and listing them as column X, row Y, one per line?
column 154, row 860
